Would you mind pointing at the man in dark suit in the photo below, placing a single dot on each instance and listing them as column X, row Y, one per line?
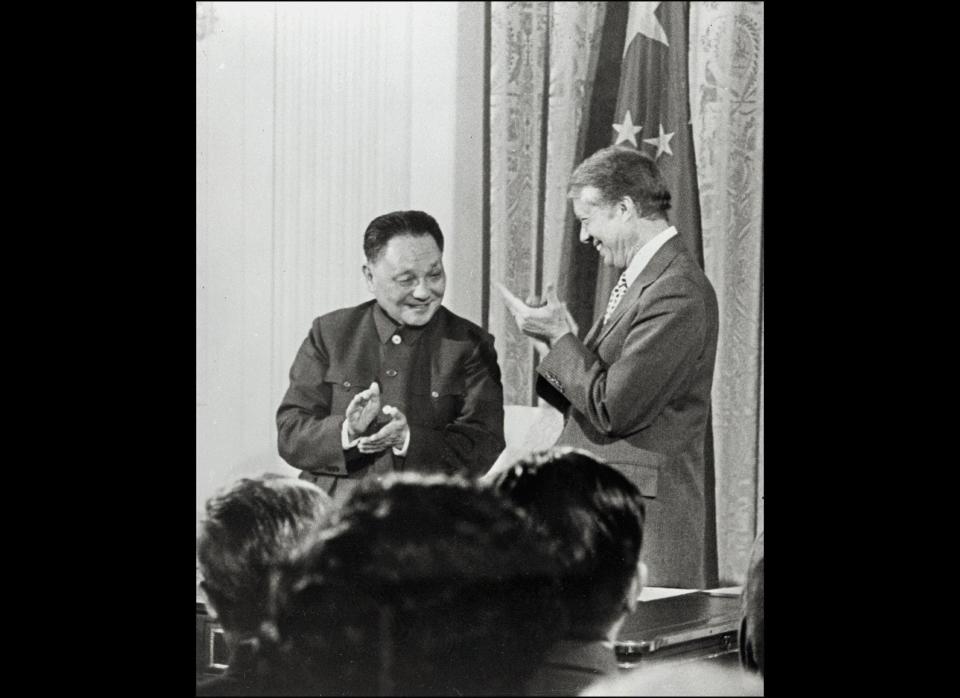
column 396, row 383
column 636, row 390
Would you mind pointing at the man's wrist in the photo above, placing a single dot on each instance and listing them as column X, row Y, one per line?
column 347, row 440
column 402, row 450
column 557, row 337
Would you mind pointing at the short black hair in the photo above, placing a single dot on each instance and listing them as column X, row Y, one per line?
column 389, row 225
column 618, row 171
column 596, row 516
column 249, row 526
column 422, row 585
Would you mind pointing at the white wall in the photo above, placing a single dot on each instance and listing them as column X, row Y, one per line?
column 312, row 118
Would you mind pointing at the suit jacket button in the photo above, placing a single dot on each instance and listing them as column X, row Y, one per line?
column 434, row 393
column 391, row 372
column 346, row 384
column 396, row 339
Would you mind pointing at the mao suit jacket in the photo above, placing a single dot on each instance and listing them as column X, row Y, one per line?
column 448, row 387
column 636, row 392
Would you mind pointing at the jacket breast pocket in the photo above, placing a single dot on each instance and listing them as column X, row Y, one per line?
column 443, row 403
column 342, row 389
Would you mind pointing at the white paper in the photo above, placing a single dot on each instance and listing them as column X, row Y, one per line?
column 652, row 593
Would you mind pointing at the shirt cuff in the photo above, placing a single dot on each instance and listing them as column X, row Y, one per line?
column 406, row 445
column 347, row 445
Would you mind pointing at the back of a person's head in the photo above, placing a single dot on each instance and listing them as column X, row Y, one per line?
column 421, row 585
column 751, row 612
column 595, row 514
column 249, row 526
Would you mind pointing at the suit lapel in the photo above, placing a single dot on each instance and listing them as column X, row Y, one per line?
column 670, row 249
column 592, row 334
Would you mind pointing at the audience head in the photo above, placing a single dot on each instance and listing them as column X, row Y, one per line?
column 422, row 584
column 249, row 526
column 751, row 613
column 404, row 268
column 595, row 514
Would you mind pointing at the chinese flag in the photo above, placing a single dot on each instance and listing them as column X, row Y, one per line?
column 653, row 115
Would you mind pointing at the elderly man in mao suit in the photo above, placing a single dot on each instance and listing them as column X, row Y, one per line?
column 396, row 383
column 636, row 390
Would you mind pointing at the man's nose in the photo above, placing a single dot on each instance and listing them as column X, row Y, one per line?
column 584, row 235
column 420, row 291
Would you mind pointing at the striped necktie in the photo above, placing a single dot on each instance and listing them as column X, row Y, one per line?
column 615, row 295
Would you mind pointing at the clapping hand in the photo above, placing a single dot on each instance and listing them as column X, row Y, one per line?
column 544, row 322
column 391, row 435
column 362, row 409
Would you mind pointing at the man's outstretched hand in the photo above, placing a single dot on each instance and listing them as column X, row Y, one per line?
column 544, row 322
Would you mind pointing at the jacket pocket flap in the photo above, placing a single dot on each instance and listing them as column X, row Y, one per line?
column 348, row 381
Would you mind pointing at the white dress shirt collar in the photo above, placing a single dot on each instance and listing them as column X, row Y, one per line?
column 645, row 253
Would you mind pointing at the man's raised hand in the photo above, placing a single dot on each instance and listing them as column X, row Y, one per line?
column 362, row 409
column 393, row 434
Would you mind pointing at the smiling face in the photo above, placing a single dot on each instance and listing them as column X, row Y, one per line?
column 605, row 226
column 407, row 278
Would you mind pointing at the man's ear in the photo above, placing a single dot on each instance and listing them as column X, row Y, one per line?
column 627, row 208
column 636, row 586
column 368, row 276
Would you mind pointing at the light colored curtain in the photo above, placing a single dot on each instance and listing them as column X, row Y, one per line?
column 726, row 104
column 542, row 62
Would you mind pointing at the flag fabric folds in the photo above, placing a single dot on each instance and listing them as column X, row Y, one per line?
column 653, row 112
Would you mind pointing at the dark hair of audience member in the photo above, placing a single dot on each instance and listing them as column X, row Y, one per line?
column 422, row 585
column 596, row 516
column 751, row 613
column 387, row 226
column 249, row 526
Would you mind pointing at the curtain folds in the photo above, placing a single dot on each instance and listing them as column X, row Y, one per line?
column 726, row 102
column 542, row 62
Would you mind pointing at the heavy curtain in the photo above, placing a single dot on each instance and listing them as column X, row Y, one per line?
column 542, row 65
column 726, row 104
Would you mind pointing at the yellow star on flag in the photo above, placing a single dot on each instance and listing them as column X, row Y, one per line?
column 627, row 131
column 662, row 142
